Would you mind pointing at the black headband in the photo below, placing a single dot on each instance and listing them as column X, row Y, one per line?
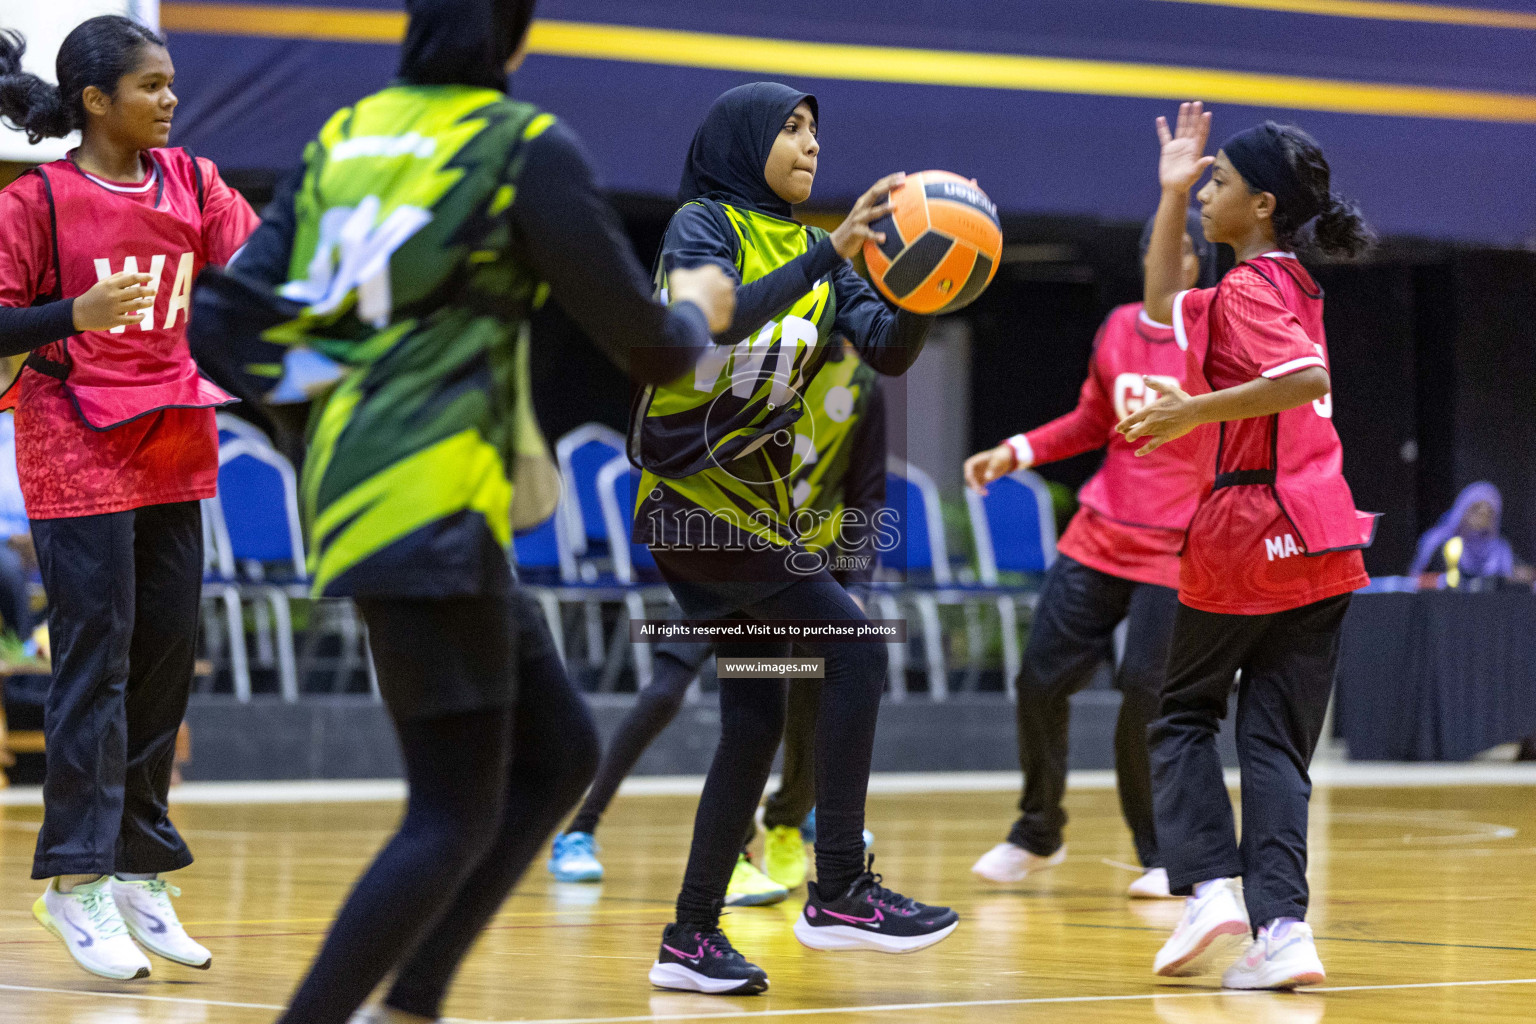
column 1259, row 157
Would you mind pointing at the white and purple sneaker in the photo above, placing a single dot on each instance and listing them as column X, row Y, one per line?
column 1283, row 956
column 87, row 921
column 1213, row 918
column 704, row 961
column 870, row 916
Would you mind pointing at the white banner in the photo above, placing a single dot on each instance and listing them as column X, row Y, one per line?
column 44, row 25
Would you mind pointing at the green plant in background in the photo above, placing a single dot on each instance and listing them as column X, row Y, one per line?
column 1063, row 503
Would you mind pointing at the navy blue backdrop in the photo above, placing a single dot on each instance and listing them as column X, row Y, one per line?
column 1076, row 138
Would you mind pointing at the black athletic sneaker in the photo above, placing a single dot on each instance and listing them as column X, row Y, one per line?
column 869, row 916
column 697, row 961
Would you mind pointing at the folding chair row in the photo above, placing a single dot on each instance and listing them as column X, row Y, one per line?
column 1014, row 530
column 255, row 553
column 583, row 555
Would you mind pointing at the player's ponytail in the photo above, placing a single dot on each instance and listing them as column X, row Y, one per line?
column 1339, row 228
column 99, row 52
column 27, row 103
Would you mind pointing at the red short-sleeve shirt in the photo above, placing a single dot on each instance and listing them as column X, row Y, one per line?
column 1243, row 556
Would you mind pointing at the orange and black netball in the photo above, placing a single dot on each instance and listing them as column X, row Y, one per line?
column 942, row 243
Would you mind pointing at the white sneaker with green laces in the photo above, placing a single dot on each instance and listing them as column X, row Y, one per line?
column 151, row 919
column 87, row 921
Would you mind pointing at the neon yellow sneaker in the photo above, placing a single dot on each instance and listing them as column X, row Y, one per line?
column 751, row 888
column 784, row 858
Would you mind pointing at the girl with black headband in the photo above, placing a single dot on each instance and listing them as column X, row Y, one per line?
column 115, row 446
column 1273, row 550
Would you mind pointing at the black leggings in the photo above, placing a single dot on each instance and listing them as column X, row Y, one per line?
column 751, row 722
column 486, row 785
column 676, row 666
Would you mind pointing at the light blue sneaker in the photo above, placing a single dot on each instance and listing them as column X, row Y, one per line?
column 573, row 858
column 808, row 830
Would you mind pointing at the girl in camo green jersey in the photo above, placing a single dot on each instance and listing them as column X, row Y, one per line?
column 426, row 222
column 716, row 506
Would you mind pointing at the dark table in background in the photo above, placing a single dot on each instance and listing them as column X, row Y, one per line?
column 1436, row 675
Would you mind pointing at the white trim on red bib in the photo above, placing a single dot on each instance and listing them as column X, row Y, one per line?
column 144, row 186
column 1293, row 366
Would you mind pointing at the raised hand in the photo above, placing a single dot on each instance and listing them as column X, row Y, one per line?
column 1183, row 158
column 851, row 233
column 115, row 301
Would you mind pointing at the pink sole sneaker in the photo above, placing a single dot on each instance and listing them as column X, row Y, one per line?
column 1181, row 966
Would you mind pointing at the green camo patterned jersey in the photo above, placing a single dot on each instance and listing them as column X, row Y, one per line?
column 716, row 445
column 403, row 261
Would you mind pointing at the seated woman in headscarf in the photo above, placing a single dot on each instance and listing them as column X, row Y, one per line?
column 1465, row 543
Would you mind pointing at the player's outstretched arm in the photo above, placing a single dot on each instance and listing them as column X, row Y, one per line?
column 574, row 240
column 1175, row 413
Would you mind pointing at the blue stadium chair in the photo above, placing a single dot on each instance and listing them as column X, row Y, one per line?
column 542, row 555
column 260, row 544
column 581, row 455
column 259, row 496
column 537, row 550
column 253, row 535
column 634, row 570
column 219, row 586
column 1014, row 527
column 919, row 558
column 233, row 428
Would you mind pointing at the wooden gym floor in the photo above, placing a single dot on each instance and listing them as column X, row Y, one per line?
column 1423, row 902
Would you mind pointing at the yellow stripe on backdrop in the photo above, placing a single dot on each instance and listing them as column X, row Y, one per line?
column 887, row 63
column 280, row 21
column 1386, row 10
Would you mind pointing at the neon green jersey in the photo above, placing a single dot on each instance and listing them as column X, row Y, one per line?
column 718, row 442
column 404, row 262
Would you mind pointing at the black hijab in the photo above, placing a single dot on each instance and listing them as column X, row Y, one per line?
column 1205, row 251
column 462, row 42
column 730, row 149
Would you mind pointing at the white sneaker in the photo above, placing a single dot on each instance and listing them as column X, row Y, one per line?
column 1152, row 885
column 86, row 920
column 1217, row 914
column 150, row 918
column 1006, row 863
column 1286, row 962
